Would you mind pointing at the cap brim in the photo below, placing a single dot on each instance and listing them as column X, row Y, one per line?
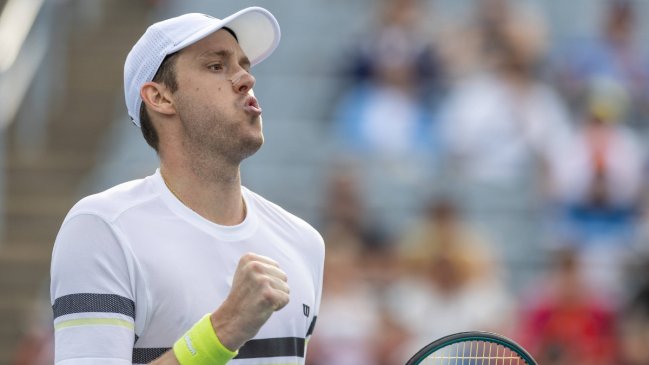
column 256, row 28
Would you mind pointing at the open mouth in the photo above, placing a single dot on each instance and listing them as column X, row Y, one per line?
column 251, row 105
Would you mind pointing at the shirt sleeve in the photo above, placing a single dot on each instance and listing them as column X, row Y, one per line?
column 92, row 295
column 320, row 256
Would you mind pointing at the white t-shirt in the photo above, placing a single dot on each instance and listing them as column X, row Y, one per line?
column 133, row 269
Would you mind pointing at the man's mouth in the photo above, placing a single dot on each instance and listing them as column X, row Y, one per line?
column 251, row 106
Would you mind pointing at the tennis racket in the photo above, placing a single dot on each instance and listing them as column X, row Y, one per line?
column 472, row 348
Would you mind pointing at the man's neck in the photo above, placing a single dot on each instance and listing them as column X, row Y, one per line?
column 214, row 193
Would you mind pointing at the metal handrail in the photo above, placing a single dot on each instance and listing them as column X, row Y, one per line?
column 17, row 19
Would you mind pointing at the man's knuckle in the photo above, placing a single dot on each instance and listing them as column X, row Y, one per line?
column 256, row 267
column 248, row 256
column 268, row 295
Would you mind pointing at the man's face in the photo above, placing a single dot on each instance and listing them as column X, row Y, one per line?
column 219, row 115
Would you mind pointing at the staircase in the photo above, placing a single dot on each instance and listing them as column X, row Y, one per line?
column 40, row 191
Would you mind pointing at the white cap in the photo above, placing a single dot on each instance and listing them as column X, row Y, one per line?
column 256, row 29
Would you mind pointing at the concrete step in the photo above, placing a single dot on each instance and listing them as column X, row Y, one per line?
column 49, row 181
column 26, row 252
column 32, row 228
column 45, row 205
column 23, row 277
column 28, row 184
column 83, row 140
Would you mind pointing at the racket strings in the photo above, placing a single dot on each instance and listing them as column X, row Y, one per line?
column 474, row 353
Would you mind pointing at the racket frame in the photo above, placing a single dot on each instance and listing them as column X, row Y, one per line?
column 422, row 354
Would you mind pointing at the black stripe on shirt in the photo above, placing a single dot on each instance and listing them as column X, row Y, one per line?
column 89, row 302
column 311, row 327
column 146, row 355
column 268, row 347
column 272, row 347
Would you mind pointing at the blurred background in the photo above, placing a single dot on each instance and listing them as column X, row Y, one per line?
column 472, row 164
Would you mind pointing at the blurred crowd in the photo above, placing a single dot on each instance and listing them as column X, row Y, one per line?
column 487, row 178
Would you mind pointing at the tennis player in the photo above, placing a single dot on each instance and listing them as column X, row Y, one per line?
column 186, row 266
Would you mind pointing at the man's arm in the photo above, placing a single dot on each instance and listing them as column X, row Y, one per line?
column 91, row 291
column 259, row 288
column 167, row 359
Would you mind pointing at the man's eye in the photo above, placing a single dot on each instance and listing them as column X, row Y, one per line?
column 215, row 67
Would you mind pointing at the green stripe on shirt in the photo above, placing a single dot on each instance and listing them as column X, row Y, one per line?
column 94, row 322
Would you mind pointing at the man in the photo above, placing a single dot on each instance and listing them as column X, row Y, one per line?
column 187, row 266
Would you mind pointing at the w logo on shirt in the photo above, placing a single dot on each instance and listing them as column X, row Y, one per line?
column 306, row 310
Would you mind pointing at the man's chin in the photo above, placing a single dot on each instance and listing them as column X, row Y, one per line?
column 250, row 146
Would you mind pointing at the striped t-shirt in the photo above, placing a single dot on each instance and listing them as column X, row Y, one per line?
column 133, row 269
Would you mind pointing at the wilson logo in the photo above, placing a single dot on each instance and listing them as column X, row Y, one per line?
column 306, row 310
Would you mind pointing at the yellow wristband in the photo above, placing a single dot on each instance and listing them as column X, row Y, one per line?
column 201, row 346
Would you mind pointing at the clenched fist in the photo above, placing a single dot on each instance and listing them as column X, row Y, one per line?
column 259, row 288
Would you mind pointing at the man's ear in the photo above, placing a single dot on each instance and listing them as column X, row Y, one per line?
column 158, row 98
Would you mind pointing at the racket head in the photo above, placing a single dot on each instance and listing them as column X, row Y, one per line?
column 472, row 348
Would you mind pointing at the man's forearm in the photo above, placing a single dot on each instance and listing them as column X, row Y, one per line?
column 167, row 359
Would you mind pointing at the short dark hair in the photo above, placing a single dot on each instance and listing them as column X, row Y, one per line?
column 166, row 75
column 232, row 33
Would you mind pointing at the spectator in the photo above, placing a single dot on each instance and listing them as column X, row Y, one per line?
column 448, row 272
column 603, row 178
column 346, row 220
column 598, row 189
column 354, row 327
column 481, row 36
column 386, row 113
column 612, row 54
column 400, row 30
column 36, row 347
column 567, row 322
column 349, row 314
column 443, row 233
column 497, row 122
column 499, row 128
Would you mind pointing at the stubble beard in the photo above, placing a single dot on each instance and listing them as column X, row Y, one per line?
column 216, row 147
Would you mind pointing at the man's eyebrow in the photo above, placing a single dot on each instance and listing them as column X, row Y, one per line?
column 244, row 61
column 215, row 53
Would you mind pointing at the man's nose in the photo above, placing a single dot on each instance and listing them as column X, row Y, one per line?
column 243, row 81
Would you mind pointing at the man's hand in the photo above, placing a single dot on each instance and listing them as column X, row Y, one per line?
column 259, row 288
